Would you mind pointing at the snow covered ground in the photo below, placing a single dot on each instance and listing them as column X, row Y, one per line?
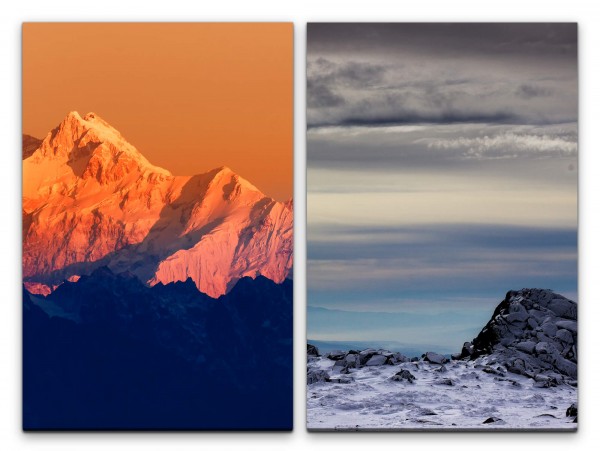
column 368, row 399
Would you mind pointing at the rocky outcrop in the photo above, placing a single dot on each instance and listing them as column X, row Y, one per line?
column 314, row 376
column 91, row 199
column 404, row 376
column 345, row 361
column 572, row 412
column 30, row 145
column 312, row 350
column 532, row 332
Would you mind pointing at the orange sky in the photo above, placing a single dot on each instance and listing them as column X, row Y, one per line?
column 190, row 97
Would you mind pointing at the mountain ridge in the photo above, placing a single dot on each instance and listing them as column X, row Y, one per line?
column 108, row 352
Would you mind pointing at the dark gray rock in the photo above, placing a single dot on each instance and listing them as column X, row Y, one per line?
column 398, row 357
column 377, row 360
column 351, row 360
column 517, row 317
column 565, row 336
column 520, row 366
column 365, row 355
column 572, row 410
column 563, row 307
column 490, row 370
column 336, row 355
column 313, row 376
column 549, row 328
column 545, row 384
column 494, row 420
column 423, row 411
column 433, row 357
column 340, row 363
column 566, row 367
column 531, row 331
column 404, row 376
column 467, row 350
column 312, row 350
column 545, row 347
column 532, row 323
column 341, row 380
column 571, row 326
column 526, row 346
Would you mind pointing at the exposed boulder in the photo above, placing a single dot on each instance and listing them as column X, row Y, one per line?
column 571, row 326
column 313, row 376
column 404, row 376
column 351, row 360
column 526, row 346
column 341, row 380
column 446, row 381
column 398, row 357
column 433, row 357
column 467, row 350
column 365, row 355
column 336, row 355
column 494, row 420
column 572, row 410
column 312, row 350
column 377, row 360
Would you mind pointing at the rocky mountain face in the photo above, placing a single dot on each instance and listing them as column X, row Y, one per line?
column 30, row 145
column 532, row 332
column 91, row 199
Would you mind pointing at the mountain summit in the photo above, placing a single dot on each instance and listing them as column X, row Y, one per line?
column 91, row 199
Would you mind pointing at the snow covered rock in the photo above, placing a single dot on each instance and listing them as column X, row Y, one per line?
column 313, row 376
column 312, row 350
column 365, row 355
column 336, row 355
column 398, row 357
column 404, row 376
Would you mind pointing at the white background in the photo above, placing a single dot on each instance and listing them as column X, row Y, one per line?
column 14, row 12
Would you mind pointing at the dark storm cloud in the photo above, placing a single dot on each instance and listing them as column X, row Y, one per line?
column 418, row 117
column 327, row 75
column 320, row 95
column 381, row 74
column 538, row 39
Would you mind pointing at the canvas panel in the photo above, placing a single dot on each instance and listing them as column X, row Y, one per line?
column 157, row 226
column 442, row 226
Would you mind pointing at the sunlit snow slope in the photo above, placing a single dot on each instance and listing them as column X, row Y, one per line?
column 91, row 199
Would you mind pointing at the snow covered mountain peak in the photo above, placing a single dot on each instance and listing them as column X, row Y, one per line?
column 82, row 148
column 90, row 198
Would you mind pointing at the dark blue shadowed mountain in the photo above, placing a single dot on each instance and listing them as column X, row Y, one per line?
column 108, row 352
